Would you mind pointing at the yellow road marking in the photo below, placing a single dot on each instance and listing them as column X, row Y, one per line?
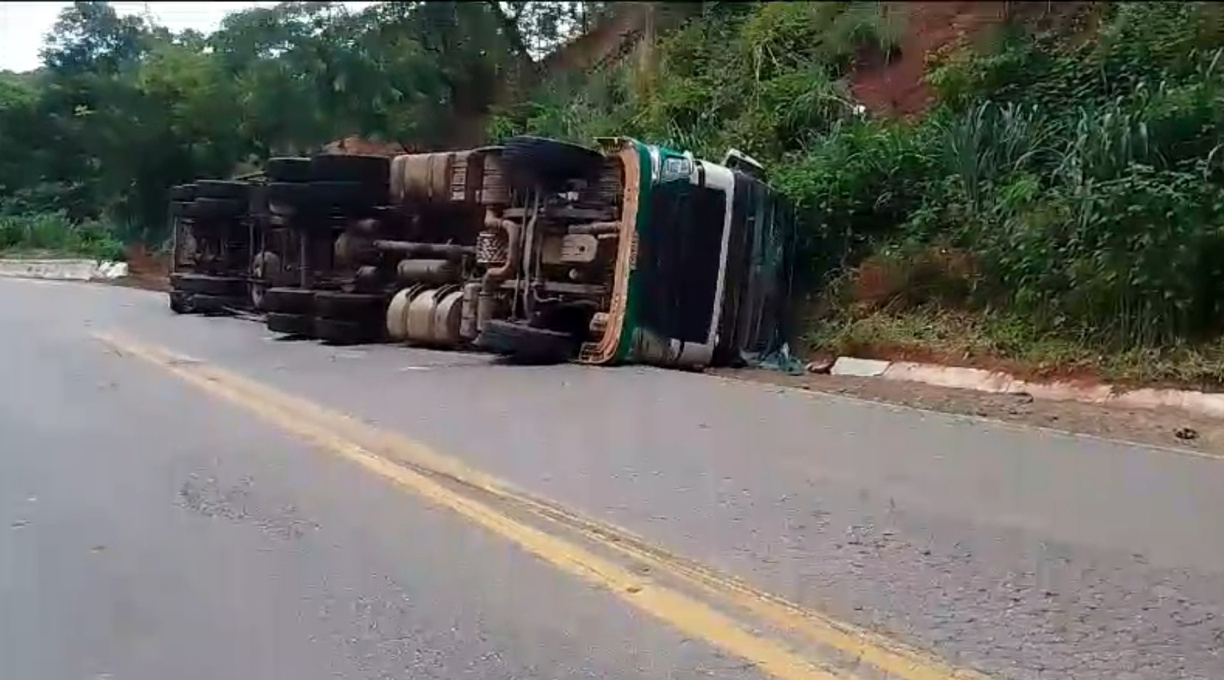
column 865, row 647
column 686, row 614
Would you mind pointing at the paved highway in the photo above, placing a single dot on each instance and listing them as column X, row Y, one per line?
column 190, row 498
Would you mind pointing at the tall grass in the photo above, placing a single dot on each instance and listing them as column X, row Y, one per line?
column 53, row 234
column 1080, row 187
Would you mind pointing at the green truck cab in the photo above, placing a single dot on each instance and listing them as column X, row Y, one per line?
column 705, row 263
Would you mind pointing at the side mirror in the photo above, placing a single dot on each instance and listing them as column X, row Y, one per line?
column 738, row 160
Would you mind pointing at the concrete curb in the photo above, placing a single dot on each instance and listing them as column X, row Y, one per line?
column 63, row 270
column 998, row 382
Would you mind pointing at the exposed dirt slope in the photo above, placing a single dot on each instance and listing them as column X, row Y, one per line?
column 356, row 146
column 891, row 86
column 631, row 23
column 895, row 87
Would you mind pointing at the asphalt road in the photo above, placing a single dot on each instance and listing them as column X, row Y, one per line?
column 158, row 522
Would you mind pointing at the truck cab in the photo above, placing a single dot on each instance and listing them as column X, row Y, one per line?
column 706, row 277
column 693, row 258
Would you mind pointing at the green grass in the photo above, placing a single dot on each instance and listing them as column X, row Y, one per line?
column 1011, row 343
column 50, row 235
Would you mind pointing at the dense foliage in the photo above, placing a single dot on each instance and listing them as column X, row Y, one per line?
column 1073, row 182
column 1068, row 185
column 122, row 109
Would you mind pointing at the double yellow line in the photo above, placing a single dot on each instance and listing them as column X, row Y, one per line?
column 843, row 651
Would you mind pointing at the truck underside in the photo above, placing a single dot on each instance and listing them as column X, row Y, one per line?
column 538, row 250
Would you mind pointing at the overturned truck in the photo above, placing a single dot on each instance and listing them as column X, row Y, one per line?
column 216, row 229
column 539, row 250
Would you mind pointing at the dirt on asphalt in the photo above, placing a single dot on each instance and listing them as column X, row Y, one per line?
column 146, row 270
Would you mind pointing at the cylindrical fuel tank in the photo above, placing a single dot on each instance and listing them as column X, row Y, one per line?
column 436, row 272
column 463, row 176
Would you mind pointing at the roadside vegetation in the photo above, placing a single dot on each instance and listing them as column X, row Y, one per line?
column 122, row 108
column 46, row 234
column 1060, row 205
column 1056, row 205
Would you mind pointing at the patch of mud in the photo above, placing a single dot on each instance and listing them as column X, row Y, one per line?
column 146, row 270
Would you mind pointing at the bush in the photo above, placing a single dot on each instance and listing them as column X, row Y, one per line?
column 1079, row 184
column 55, row 234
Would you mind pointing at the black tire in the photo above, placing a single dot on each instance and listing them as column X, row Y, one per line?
column 288, row 169
column 340, row 332
column 219, row 188
column 203, row 284
column 183, row 192
column 346, row 195
column 289, row 199
column 524, row 344
column 336, row 305
column 368, row 170
column 257, row 200
column 180, row 302
column 538, row 161
column 320, row 198
column 288, row 193
column 293, row 325
column 216, row 305
column 289, row 300
column 206, row 208
column 179, row 208
column 282, row 214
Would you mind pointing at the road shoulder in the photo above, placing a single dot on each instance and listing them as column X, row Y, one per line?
column 1159, row 427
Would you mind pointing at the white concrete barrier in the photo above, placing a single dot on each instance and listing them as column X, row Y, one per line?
column 64, row 270
column 859, row 368
column 1205, row 403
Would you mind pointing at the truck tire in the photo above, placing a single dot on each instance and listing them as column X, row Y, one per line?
column 336, row 305
column 289, row 300
column 288, row 169
column 372, row 171
column 180, row 302
column 203, row 284
column 294, row 325
column 523, row 344
column 219, row 188
column 206, row 208
column 531, row 161
column 183, row 192
column 343, row 332
column 344, row 195
column 257, row 200
column 291, row 194
column 216, row 305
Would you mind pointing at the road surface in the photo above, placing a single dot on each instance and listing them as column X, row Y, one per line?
column 190, row 498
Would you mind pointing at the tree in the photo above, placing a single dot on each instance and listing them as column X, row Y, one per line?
column 90, row 37
column 122, row 108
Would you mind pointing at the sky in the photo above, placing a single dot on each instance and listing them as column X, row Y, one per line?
column 24, row 24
